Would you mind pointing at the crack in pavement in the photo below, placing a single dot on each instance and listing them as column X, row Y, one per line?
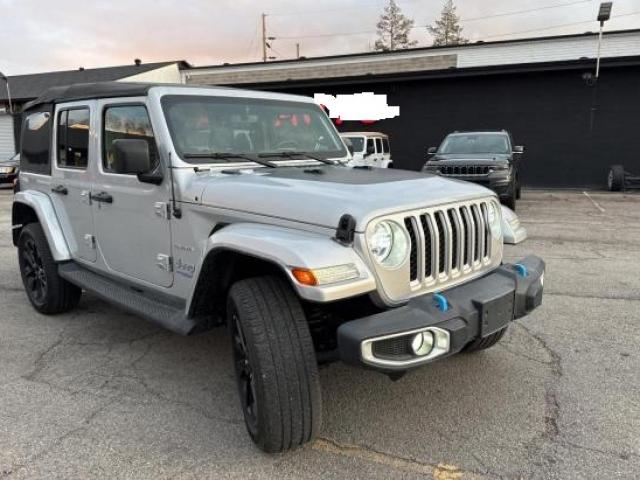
column 441, row 471
column 629, row 298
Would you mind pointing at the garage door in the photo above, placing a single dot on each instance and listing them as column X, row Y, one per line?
column 7, row 146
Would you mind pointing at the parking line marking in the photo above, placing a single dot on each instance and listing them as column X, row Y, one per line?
column 595, row 204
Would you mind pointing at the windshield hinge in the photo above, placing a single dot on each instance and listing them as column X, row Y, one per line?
column 346, row 231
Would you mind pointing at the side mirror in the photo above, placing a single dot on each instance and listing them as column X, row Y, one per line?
column 432, row 150
column 518, row 149
column 131, row 156
column 349, row 145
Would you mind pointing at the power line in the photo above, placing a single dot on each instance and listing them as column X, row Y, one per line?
column 338, row 9
column 558, row 26
column 518, row 12
column 369, row 32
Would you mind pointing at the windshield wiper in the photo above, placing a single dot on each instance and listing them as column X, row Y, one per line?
column 229, row 156
column 291, row 154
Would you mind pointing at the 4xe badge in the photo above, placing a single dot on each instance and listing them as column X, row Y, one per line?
column 185, row 269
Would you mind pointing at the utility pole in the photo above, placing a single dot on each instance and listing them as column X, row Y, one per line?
column 298, row 51
column 264, row 37
column 6, row 80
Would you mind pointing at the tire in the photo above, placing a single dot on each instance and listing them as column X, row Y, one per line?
column 483, row 343
column 510, row 199
column 518, row 189
column 275, row 364
column 616, row 178
column 48, row 292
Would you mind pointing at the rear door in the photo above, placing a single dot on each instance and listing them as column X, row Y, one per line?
column 379, row 156
column 72, row 177
column 132, row 225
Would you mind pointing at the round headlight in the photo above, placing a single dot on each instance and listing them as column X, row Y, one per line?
column 388, row 244
column 495, row 220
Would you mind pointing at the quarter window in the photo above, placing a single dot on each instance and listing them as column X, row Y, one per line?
column 126, row 122
column 385, row 145
column 73, row 138
column 36, row 141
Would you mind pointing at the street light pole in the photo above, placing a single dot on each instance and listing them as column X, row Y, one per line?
column 604, row 14
column 6, row 81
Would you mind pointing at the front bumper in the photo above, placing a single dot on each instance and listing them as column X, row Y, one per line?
column 475, row 309
column 499, row 181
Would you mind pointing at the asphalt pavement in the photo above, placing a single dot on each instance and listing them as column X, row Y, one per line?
column 99, row 393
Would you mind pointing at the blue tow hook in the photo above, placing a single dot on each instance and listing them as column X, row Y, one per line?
column 441, row 302
column 522, row 270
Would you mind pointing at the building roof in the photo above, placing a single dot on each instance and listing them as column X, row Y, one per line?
column 28, row 87
column 479, row 55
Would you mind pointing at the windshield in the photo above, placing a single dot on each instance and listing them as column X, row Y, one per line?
column 475, row 143
column 204, row 124
column 358, row 143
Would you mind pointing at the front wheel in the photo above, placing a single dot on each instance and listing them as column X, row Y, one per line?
column 275, row 364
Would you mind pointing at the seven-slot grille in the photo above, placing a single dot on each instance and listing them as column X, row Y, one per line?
column 465, row 170
column 448, row 242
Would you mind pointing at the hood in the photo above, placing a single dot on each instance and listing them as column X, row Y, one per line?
column 321, row 195
column 469, row 158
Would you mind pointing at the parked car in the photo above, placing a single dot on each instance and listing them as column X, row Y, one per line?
column 9, row 170
column 370, row 149
column 144, row 195
column 488, row 158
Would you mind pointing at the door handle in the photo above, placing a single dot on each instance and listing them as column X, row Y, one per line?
column 60, row 189
column 103, row 197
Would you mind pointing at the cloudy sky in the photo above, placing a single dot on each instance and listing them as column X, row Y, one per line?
column 44, row 35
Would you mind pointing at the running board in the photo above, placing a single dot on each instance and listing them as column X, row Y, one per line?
column 168, row 315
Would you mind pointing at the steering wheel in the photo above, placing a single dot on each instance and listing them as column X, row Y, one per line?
column 287, row 145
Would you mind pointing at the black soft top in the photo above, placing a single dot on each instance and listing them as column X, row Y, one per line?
column 85, row 91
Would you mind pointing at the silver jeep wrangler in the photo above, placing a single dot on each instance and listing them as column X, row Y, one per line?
column 201, row 207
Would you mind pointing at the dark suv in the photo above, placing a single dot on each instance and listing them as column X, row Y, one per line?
column 485, row 157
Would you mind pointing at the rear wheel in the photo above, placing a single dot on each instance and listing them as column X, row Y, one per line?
column 47, row 291
column 275, row 364
column 486, row 342
column 615, row 180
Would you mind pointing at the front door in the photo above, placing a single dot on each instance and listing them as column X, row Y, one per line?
column 132, row 225
column 71, row 179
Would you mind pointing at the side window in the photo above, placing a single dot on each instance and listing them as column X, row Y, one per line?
column 378, row 145
column 126, row 122
column 370, row 146
column 36, row 143
column 73, row 138
column 385, row 145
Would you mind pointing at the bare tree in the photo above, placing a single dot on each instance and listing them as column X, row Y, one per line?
column 447, row 30
column 393, row 29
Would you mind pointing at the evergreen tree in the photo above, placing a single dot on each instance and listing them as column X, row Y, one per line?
column 447, row 30
column 393, row 29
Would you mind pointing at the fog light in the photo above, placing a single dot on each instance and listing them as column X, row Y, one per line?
column 422, row 343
